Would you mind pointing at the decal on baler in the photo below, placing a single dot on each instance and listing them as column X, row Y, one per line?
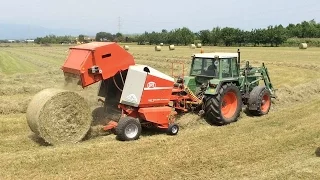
column 151, row 85
column 132, row 98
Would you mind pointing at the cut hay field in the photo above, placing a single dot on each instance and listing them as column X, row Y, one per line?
column 280, row 145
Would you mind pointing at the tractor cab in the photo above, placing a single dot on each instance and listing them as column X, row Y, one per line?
column 214, row 67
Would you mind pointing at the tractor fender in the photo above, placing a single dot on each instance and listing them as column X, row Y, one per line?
column 214, row 91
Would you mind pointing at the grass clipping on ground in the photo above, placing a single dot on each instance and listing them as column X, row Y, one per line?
column 59, row 116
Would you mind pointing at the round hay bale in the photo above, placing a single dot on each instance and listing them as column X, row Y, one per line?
column 157, row 48
column 303, row 46
column 161, row 44
column 59, row 116
column 126, row 47
column 171, row 47
column 199, row 45
column 192, row 46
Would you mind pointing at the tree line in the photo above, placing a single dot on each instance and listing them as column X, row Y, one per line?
column 100, row 36
column 227, row 36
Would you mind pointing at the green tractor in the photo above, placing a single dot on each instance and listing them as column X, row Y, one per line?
column 223, row 88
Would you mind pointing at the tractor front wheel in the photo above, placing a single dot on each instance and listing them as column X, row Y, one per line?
column 223, row 108
column 128, row 129
column 259, row 101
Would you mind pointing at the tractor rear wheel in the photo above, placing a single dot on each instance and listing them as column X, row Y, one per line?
column 223, row 108
column 259, row 101
column 128, row 129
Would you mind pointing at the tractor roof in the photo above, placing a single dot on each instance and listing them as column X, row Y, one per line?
column 220, row 54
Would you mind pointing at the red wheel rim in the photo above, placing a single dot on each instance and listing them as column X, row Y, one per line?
column 265, row 104
column 229, row 104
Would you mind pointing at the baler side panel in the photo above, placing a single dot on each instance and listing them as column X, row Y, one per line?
column 156, row 91
column 111, row 59
column 133, row 87
column 158, row 115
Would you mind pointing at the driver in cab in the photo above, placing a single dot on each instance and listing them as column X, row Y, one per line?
column 211, row 70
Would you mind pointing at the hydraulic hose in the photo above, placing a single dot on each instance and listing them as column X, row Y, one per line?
column 192, row 95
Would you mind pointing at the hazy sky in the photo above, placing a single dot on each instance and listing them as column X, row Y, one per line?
column 140, row 15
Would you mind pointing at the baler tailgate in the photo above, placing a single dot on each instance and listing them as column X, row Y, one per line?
column 96, row 61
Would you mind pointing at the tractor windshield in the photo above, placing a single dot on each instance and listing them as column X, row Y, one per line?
column 205, row 67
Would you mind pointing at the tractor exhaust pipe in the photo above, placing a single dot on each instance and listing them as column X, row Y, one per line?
column 238, row 56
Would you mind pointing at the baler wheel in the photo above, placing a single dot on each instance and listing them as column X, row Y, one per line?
column 223, row 108
column 260, row 97
column 128, row 129
column 173, row 129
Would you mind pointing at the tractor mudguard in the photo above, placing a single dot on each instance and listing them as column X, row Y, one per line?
column 214, row 91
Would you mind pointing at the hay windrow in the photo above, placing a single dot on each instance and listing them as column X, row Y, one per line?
column 299, row 93
column 59, row 116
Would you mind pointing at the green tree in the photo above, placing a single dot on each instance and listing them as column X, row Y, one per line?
column 228, row 35
column 205, row 36
column 185, row 36
column 104, row 36
column 143, row 38
column 239, row 37
column 119, row 37
column 280, row 35
column 215, row 36
column 154, row 38
column 81, row 38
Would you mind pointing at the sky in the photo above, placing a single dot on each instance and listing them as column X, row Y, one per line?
column 137, row 16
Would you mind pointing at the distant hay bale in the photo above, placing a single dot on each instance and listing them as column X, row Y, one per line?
column 126, row 47
column 157, row 48
column 59, row 116
column 171, row 47
column 199, row 45
column 161, row 44
column 303, row 46
column 192, row 46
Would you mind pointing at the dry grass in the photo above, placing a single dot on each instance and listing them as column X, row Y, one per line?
column 280, row 145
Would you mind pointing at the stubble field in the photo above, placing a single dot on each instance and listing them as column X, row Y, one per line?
column 280, row 145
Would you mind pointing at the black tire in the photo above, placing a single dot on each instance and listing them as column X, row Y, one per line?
column 173, row 129
column 258, row 98
column 128, row 129
column 214, row 104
